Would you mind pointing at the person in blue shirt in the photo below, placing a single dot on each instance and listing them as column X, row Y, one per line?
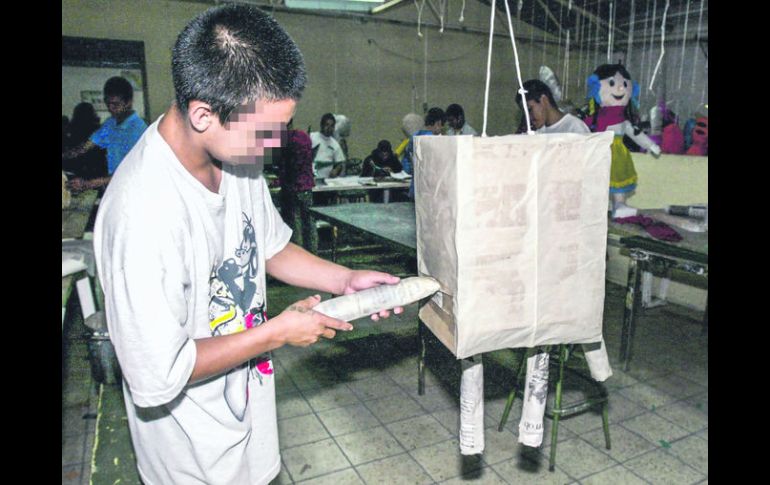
column 434, row 123
column 117, row 135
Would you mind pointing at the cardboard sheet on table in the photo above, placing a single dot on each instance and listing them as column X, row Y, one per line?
column 515, row 230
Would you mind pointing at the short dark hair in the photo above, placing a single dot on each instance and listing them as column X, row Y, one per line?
column 434, row 115
column 120, row 87
column 328, row 116
column 232, row 54
column 455, row 110
column 535, row 89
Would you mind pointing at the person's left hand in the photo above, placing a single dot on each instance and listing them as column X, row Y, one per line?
column 76, row 184
column 363, row 279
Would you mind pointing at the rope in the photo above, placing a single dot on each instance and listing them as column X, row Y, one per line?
column 522, row 91
column 684, row 41
column 609, row 33
column 697, row 46
column 461, row 12
column 631, row 32
column 489, row 63
column 662, row 47
column 419, row 15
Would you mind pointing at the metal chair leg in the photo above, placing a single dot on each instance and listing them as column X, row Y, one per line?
column 557, row 411
column 512, row 395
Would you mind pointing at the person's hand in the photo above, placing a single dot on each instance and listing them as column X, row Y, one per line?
column 362, row 279
column 77, row 184
column 301, row 326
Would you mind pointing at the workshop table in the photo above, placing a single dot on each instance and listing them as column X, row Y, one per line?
column 656, row 256
column 338, row 190
column 74, row 220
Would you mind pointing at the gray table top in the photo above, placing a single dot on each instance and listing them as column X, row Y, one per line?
column 392, row 223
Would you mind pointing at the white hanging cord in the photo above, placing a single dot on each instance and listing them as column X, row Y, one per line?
column 545, row 29
column 652, row 37
column 489, row 64
column 441, row 10
column 596, row 35
column 425, row 72
column 581, row 42
column 565, row 69
column 684, row 41
column 521, row 91
column 532, row 37
column 630, row 33
column 558, row 42
column 419, row 15
column 662, row 47
column 695, row 53
column 518, row 9
column 565, row 73
column 609, row 33
column 461, row 12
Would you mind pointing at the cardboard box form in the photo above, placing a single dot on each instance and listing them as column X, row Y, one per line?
column 515, row 230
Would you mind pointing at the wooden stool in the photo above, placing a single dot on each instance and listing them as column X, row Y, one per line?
column 556, row 412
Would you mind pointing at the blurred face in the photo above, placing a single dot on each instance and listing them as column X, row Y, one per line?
column 117, row 107
column 615, row 90
column 437, row 128
column 327, row 129
column 252, row 132
column 536, row 112
column 454, row 122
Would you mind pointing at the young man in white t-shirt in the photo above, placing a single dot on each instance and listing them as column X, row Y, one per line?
column 328, row 156
column 184, row 237
column 544, row 113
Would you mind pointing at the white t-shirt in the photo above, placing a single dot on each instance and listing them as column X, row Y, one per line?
column 465, row 130
column 568, row 124
column 329, row 152
column 178, row 262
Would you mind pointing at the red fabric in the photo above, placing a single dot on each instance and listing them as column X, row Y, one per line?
column 657, row 229
column 673, row 139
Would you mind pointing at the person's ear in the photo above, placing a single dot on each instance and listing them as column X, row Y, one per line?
column 200, row 115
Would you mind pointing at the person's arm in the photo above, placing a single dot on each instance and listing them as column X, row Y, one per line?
column 640, row 138
column 79, row 184
column 77, row 151
column 297, row 325
column 297, row 267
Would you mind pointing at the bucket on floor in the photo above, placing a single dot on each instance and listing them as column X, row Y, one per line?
column 101, row 353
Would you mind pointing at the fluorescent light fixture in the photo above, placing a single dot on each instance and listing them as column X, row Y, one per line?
column 343, row 5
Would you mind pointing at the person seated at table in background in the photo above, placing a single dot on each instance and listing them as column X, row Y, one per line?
column 117, row 135
column 328, row 157
column 544, row 113
column 342, row 132
column 455, row 118
column 295, row 173
column 93, row 163
column 381, row 162
column 434, row 122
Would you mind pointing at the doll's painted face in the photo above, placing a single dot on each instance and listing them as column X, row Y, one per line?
column 615, row 90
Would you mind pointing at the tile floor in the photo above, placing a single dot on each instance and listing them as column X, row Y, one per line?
column 349, row 411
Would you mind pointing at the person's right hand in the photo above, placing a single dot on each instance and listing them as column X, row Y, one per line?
column 301, row 326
